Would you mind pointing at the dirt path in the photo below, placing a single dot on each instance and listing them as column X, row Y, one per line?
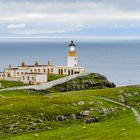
column 137, row 116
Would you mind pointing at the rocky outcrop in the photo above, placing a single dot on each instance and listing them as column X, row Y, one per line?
column 90, row 81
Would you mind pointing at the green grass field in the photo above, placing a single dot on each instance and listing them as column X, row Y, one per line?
column 32, row 115
column 7, row 84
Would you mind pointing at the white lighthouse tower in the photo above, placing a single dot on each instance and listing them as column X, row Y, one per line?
column 72, row 55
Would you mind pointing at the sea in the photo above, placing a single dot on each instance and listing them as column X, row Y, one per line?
column 119, row 61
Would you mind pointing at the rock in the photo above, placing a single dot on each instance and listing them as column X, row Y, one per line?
column 55, row 105
column 99, row 102
column 79, row 116
column 49, row 128
column 81, row 103
column 40, row 120
column 61, row 118
column 121, row 98
column 73, row 116
column 91, row 120
column 85, row 113
column 92, row 109
column 34, row 124
column 105, row 111
column 74, row 104
column 91, row 102
column 136, row 94
column 15, row 124
column 129, row 95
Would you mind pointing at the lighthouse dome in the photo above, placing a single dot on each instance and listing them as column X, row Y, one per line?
column 72, row 47
column 72, row 44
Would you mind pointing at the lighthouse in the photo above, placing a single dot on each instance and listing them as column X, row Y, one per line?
column 72, row 55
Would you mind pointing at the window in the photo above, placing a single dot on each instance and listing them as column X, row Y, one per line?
column 23, row 77
column 38, row 70
column 44, row 70
column 75, row 58
column 31, row 70
column 32, row 78
column 59, row 72
column 65, row 70
column 68, row 72
column 28, row 78
column 17, row 73
column 71, row 72
column 34, row 70
column 48, row 71
column 51, row 70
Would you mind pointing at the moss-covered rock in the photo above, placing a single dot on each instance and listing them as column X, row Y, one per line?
column 90, row 81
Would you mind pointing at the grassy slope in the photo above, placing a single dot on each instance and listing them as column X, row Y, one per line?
column 29, row 109
column 90, row 81
column 6, row 84
column 127, row 92
column 52, row 77
column 121, row 128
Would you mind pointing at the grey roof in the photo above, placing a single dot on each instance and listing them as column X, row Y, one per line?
column 72, row 44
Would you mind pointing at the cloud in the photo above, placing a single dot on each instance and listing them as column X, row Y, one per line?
column 16, row 26
column 44, row 31
column 53, row 16
column 85, row 12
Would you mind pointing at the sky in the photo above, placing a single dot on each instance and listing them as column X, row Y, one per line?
column 69, row 18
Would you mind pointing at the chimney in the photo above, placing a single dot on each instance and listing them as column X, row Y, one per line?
column 49, row 63
column 36, row 63
column 10, row 66
column 23, row 64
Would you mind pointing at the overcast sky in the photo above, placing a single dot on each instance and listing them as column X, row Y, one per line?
column 69, row 18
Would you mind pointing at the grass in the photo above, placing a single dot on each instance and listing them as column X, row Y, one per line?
column 128, row 93
column 31, row 115
column 21, row 93
column 52, row 77
column 7, row 84
column 122, row 128
column 38, row 113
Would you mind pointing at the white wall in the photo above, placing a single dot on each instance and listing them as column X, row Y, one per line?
column 33, row 78
column 41, row 78
column 72, row 61
column 26, row 80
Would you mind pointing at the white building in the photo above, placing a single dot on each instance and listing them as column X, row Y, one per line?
column 37, row 73
column 33, row 78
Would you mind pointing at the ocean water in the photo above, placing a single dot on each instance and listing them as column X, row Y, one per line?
column 118, row 61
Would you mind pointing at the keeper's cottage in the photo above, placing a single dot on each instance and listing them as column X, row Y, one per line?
column 36, row 74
